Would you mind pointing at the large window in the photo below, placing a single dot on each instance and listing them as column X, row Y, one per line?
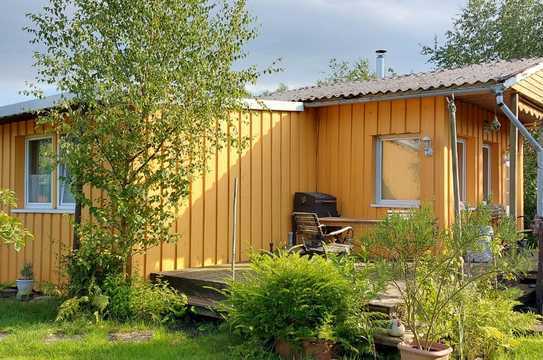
column 38, row 172
column 39, row 179
column 398, row 171
column 487, row 173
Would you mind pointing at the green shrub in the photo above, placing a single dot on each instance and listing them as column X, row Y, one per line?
column 126, row 299
column 137, row 299
column 90, row 265
column 490, row 323
column 293, row 298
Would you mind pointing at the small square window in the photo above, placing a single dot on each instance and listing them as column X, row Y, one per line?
column 38, row 169
column 398, row 166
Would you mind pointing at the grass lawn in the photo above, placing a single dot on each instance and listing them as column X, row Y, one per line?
column 29, row 326
column 26, row 330
column 529, row 348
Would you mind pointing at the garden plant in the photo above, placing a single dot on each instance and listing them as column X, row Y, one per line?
column 291, row 301
column 447, row 300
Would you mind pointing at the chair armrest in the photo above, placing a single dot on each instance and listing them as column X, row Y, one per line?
column 340, row 231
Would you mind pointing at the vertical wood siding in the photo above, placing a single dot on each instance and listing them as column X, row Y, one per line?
column 280, row 160
column 52, row 232
column 346, row 153
column 327, row 149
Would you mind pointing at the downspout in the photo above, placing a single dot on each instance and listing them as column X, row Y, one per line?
column 521, row 128
column 538, row 221
column 454, row 149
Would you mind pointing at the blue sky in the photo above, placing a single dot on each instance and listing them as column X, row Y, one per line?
column 305, row 34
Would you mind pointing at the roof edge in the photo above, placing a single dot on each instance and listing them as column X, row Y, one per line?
column 33, row 106
column 510, row 82
column 407, row 95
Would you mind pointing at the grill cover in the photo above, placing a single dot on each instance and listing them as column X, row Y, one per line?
column 324, row 205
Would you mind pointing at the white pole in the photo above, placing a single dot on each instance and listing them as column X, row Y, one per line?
column 234, row 225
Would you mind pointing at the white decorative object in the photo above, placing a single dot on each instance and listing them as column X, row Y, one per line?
column 396, row 328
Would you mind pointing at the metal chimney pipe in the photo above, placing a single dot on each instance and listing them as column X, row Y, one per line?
column 380, row 63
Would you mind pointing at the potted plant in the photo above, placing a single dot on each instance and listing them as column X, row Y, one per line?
column 25, row 282
column 426, row 266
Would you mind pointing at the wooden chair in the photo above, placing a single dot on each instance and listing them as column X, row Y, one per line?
column 313, row 239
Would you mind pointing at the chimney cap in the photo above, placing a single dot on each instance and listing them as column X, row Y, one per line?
column 380, row 51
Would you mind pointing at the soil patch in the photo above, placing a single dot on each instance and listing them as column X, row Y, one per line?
column 132, row 336
column 53, row 338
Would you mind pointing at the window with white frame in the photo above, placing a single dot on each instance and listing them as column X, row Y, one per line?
column 38, row 170
column 398, row 166
column 461, row 149
column 487, row 173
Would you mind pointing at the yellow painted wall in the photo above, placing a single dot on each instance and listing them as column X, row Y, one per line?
column 346, row 153
column 328, row 149
column 279, row 161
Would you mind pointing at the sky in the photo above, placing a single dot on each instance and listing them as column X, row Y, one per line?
column 304, row 34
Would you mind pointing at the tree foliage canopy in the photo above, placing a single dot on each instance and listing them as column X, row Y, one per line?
column 341, row 71
column 152, row 87
column 487, row 30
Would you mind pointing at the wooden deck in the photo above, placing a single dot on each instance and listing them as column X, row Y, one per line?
column 203, row 287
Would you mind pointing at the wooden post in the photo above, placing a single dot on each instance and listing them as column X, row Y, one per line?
column 513, row 151
column 454, row 150
column 538, row 228
column 234, row 225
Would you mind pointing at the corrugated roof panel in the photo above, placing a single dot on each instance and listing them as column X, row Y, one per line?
column 465, row 76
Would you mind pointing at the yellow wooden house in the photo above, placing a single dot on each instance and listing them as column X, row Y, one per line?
column 377, row 145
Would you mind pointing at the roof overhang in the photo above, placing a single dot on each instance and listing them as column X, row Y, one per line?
column 25, row 109
column 466, row 90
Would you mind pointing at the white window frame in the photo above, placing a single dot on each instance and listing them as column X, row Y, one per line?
column 28, row 204
column 464, row 168
column 61, row 206
column 488, row 172
column 379, row 201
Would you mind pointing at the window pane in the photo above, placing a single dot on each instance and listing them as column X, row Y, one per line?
column 461, row 172
column 65, row 195
column 400, row 169
column 39, row 171
column 486, row 174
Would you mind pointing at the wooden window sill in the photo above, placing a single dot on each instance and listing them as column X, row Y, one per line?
column 42, row 211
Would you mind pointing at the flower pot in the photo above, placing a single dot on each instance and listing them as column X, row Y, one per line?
column 318, row 349
column 287, row 351
column 412, row 352
column 24, row 288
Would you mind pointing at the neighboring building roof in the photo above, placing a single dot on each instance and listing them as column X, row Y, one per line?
column 464, row 77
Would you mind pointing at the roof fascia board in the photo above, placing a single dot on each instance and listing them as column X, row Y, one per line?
column 411, row 95
column 273, row 105
column 522, row 75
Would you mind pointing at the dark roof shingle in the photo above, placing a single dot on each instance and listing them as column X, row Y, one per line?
column 470, row 75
